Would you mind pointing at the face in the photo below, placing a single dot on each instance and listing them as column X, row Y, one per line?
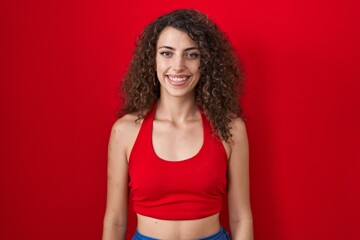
column 177, row 63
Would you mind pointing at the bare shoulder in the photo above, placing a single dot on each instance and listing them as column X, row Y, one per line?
column 126, row 124
column 238, row 130
column 238, row 138
column 124, row 132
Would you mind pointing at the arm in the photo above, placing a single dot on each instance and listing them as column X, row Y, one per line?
column 240, row 217
column 115, row 220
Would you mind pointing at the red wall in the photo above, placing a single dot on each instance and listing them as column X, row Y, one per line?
column 61, row 62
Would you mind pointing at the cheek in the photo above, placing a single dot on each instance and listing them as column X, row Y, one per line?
column 160, row 65
column 157, row 63
column 195, row 64
column 196, row 68
column 159, row 69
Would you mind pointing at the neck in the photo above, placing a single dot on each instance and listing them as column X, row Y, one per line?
column 177, row 109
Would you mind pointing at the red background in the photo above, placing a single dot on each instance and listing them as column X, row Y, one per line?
column 61, row 62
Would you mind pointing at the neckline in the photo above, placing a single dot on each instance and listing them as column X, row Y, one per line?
column 152, row 117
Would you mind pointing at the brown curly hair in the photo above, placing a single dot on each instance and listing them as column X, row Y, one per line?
column 220, row 84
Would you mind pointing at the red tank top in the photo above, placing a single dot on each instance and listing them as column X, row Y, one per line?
column 177, row 190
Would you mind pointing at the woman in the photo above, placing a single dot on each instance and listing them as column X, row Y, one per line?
column 181, row 143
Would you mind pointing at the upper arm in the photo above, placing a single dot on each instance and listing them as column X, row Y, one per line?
column 238, row 174
column 117, row 174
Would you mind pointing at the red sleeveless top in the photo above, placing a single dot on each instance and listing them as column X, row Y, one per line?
column 177, row 190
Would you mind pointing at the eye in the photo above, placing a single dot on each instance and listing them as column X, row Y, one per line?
column 166, row 54
column 192, row 55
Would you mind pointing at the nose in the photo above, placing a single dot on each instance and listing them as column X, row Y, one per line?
column 178, row 64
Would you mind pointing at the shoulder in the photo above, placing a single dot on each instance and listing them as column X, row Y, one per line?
column 238, row 129
column 126, row 123
column 239, row 140
column 124, row 132
column 238, row 137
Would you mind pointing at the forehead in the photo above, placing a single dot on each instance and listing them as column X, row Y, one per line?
column 175, row 38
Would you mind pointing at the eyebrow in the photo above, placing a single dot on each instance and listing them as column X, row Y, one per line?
column 186, row 49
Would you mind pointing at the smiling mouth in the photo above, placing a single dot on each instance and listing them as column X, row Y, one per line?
column 178, row 80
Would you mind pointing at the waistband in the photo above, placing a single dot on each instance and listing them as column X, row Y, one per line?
column 221, row 235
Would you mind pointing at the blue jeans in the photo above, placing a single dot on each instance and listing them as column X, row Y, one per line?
column 221, row 235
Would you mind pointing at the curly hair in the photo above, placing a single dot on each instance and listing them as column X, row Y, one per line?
column 221, row 75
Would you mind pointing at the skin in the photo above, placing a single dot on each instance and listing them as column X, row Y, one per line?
column 177, row 121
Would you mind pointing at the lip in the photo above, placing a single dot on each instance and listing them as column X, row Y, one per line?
column 177, row 80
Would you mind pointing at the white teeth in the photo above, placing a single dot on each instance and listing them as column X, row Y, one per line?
column 176, row 79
